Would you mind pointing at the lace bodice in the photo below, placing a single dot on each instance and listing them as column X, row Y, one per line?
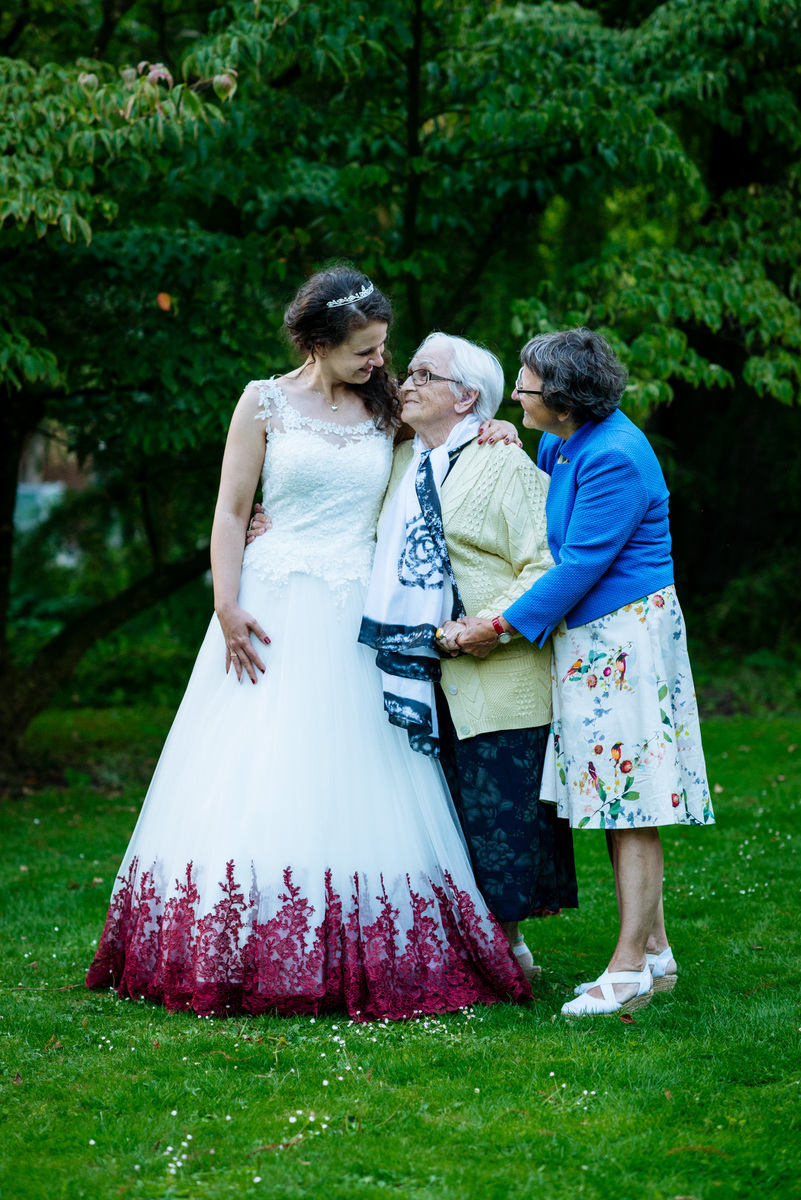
column 322, row 483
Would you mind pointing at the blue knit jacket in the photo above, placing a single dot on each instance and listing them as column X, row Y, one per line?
column 608, row 528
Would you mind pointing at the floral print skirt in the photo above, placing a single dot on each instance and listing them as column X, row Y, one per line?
column 626, row 746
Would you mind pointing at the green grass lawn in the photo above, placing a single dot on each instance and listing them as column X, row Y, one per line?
column 700, row 1098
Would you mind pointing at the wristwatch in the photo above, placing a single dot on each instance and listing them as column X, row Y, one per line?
column 503, row 636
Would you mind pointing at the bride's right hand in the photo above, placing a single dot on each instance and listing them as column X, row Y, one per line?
column 237, row 626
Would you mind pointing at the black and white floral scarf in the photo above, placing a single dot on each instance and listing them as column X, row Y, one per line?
column 412, row 590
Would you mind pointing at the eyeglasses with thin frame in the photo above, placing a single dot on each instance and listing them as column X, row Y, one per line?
column 422, row 376
column 521, row 391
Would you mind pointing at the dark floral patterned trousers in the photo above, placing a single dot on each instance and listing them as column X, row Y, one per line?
column 521, row 851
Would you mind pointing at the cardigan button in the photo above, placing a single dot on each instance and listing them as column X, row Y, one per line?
column 453, row 689
column 464, row 729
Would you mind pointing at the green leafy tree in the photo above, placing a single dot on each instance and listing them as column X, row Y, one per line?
column 468, row 155
column 699, row 288
column 68, row 136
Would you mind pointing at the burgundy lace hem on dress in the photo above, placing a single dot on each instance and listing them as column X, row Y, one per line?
column 226, row 961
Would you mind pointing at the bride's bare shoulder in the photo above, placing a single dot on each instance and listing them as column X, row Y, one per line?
column 291, row 384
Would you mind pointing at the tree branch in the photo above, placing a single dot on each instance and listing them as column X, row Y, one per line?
column 21, row 22
column 470, row 280
column 113, row 13
column 32, row 688
column 150, row 524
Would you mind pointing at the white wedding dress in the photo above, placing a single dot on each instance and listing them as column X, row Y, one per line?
column 293, row 853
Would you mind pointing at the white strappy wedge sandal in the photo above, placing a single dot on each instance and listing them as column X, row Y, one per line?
column 664, row 980
column 607, row 1003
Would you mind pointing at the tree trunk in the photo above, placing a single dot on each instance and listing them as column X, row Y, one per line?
column 411, row 206
column 113, row 13
column 26, row 691
column 20, row 413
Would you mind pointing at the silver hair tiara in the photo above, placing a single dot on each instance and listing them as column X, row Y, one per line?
column 362, row 295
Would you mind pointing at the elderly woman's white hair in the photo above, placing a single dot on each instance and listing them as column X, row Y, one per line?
column 473, row 367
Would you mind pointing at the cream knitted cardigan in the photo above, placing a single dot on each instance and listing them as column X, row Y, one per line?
column 493, row 513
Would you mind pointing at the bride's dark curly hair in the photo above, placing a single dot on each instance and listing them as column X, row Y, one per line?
column 312, row 324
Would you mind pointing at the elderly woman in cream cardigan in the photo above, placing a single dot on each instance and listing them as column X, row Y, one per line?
column 475, row 520
column 463, row 532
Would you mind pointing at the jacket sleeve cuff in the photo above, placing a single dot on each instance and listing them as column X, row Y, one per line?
column 531, row 629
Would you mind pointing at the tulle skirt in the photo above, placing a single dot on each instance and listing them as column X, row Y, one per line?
column 293, row 853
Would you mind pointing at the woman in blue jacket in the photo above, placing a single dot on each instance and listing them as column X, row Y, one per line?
column 626, row 751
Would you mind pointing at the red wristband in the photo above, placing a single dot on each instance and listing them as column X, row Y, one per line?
column 496, row 625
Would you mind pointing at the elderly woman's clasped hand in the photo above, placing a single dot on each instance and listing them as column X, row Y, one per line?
column 470, row 635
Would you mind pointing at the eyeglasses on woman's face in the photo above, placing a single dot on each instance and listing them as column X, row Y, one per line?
column 422, row 376
column 521, row 391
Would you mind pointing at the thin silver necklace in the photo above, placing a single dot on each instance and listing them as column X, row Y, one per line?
column 322, row 395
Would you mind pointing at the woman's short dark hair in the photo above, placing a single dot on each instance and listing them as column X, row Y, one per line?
column 313, row 325
column 579, row 371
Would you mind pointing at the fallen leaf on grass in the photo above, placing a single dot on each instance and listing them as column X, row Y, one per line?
column 668, row 1095
column 700, row 1149
column 277, row 1145
column 757, row 947
column 156, row 1045
column 231, row 1057
column 34, row 966
column 53, row 1044
column 627, row 1019
column 17, row 1078
column 717, row 789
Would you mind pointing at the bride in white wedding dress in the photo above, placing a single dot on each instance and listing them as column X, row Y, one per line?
column 293, row 854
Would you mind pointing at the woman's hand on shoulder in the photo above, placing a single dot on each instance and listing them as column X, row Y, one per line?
column 499, row 431
column 237, row 626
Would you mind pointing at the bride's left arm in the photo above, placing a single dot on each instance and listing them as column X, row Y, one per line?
column 244, row 455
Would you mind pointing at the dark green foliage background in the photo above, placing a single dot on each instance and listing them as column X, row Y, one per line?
column 498, row 168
